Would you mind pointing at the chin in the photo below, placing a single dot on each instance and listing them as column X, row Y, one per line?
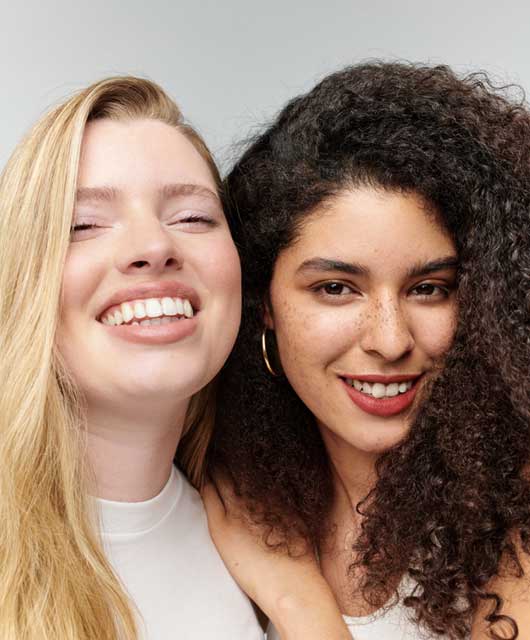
column 379, row 439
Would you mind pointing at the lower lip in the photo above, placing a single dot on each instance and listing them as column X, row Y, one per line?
column 155, row 334
column 382, row 407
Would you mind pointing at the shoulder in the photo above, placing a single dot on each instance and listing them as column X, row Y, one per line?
column 512, row 585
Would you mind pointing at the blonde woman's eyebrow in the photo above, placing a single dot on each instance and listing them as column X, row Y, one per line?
column 171, row 190
column 98, row 194
column 178, row 189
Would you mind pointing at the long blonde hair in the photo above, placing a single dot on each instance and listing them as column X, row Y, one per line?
column 55, row 582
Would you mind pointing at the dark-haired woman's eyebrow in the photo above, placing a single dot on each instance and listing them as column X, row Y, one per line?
column 425, row 268
column 326, row 264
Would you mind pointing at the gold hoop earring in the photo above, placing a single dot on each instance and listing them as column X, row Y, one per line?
column 264, row 353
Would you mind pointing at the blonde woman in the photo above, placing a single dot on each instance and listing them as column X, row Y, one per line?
column 120, row 301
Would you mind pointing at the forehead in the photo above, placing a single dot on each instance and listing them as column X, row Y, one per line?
column 136, row 153
column 367, row 225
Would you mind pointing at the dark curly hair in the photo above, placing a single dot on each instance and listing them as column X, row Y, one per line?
column 452, row 501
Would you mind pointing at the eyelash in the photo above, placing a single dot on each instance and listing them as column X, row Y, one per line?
column 189, row 219
column 444, row 290
column 192, row 218
column 82, row 227
column 320, row 289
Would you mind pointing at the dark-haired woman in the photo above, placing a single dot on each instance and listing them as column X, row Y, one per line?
column 376, row 405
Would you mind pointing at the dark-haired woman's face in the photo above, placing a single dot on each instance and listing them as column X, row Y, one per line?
column 363, row 305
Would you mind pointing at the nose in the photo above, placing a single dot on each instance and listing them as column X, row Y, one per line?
column 148, row 247
column 387, row 333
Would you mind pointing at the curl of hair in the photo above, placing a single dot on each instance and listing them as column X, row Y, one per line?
column 452, row 500
column 55, row 581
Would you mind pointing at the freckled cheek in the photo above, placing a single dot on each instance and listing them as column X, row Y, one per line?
column 309, row 342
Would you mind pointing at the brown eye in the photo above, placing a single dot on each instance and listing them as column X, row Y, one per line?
column 429, row 290
column 426, row 289
column 335, row 288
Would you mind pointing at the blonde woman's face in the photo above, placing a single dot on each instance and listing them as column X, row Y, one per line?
column 151, row 290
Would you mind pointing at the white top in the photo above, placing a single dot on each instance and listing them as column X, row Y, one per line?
column 163, row 554
column 389, row 623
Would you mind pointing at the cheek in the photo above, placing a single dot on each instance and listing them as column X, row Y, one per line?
column 80, row 277
column 436, row 332
column 311, row 340
column 220, row 267
column 219, row 271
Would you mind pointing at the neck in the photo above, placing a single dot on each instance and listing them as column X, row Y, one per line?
column 353, row 470
column 131, row 452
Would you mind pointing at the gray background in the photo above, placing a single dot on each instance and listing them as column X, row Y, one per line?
column 231, row 64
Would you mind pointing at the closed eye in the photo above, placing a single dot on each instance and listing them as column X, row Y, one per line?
column 195, row 219
column 82, row 227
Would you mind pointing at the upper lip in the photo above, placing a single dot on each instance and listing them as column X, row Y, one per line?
column 144, row 290
column 405, row 377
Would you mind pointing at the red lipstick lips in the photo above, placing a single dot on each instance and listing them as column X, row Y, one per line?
column 387, row 406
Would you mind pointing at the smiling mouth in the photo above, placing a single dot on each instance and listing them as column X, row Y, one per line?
column 383, row 396
column 148, row 312
column 379, row 390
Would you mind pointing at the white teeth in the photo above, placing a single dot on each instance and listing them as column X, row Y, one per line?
column 392, row 390
column 139, row 310
column 127, row 312
column 169, row 307
column 162, row 309
column 379, row 390
column 153, row 322
column 153, row 308
column 366, row 388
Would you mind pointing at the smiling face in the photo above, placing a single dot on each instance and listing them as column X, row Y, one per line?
column 363, row 305
column 151, row 285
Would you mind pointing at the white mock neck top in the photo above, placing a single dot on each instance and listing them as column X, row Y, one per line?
column 163, row 554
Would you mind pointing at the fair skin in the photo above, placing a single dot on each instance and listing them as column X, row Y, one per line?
column 148, row 225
